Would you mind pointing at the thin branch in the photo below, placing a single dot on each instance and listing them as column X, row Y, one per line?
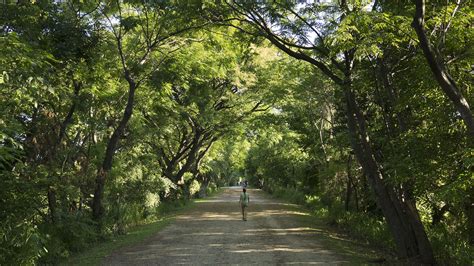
column 458, row 3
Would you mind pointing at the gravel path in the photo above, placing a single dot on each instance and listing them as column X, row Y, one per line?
column 213, row 233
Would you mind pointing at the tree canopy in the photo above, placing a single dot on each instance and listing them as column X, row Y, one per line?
column 361, row 110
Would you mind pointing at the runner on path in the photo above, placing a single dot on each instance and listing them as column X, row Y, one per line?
column 244, row 203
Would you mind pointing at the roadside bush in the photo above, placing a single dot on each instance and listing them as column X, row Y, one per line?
column 72, row 233
column 211, row 188
column 291, row 194
column 450, row 246
column 194, row 188
column 169, row 206
column 21, row 242
column 364, row 226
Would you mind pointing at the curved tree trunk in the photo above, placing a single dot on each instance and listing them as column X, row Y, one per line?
column 445, row 81
column 401, row 214
column 449, row 87
column 51, row 154
column 97, row 208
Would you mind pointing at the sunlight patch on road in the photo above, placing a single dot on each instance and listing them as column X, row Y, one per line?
column 214, row 215
column 296, row 229
column 206, row 234
column 281, row 249
column 334, row 262
column 267, row 213
column 216, row 200
column 211, row 216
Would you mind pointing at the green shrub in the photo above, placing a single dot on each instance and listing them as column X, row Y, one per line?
column 211, row 188
column 194, row 188
column 291, row 194
column 450, row 247
column 364, row 226
column 71, row 233
column 21, row 244
column 361, row 225
column 21, row 241
column 169, row 206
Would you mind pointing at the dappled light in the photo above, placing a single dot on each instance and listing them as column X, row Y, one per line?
column 273, row 249
column 236, row 132
column 214, row 233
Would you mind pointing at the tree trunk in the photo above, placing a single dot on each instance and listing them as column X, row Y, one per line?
column 449, row 87
column 51, row 154
column 438, row 214
column 349, row 183
column 191, row 158
column 52, row 204
column 204, row 180
column 356, row 196
column 401, row 215
column 445, row 81
column 469, row 209
column 104, row 169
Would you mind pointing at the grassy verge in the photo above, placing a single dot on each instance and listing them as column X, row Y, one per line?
column 351, row 248
column 95, row 254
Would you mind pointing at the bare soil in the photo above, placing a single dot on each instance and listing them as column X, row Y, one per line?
column 213, row 232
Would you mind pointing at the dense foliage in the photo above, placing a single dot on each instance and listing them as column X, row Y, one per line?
column 111, row 109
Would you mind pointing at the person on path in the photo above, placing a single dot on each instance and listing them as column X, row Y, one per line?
column 244, row 203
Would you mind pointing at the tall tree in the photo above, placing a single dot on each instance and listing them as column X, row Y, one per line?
column 287, row 26
column 439, row 69
column 450, row 89
column 140, row 31
column 205, row 105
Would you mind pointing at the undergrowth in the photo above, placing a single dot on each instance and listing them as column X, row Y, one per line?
column 448, row 246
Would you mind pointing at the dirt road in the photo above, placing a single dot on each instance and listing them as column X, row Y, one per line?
column 213, row 233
